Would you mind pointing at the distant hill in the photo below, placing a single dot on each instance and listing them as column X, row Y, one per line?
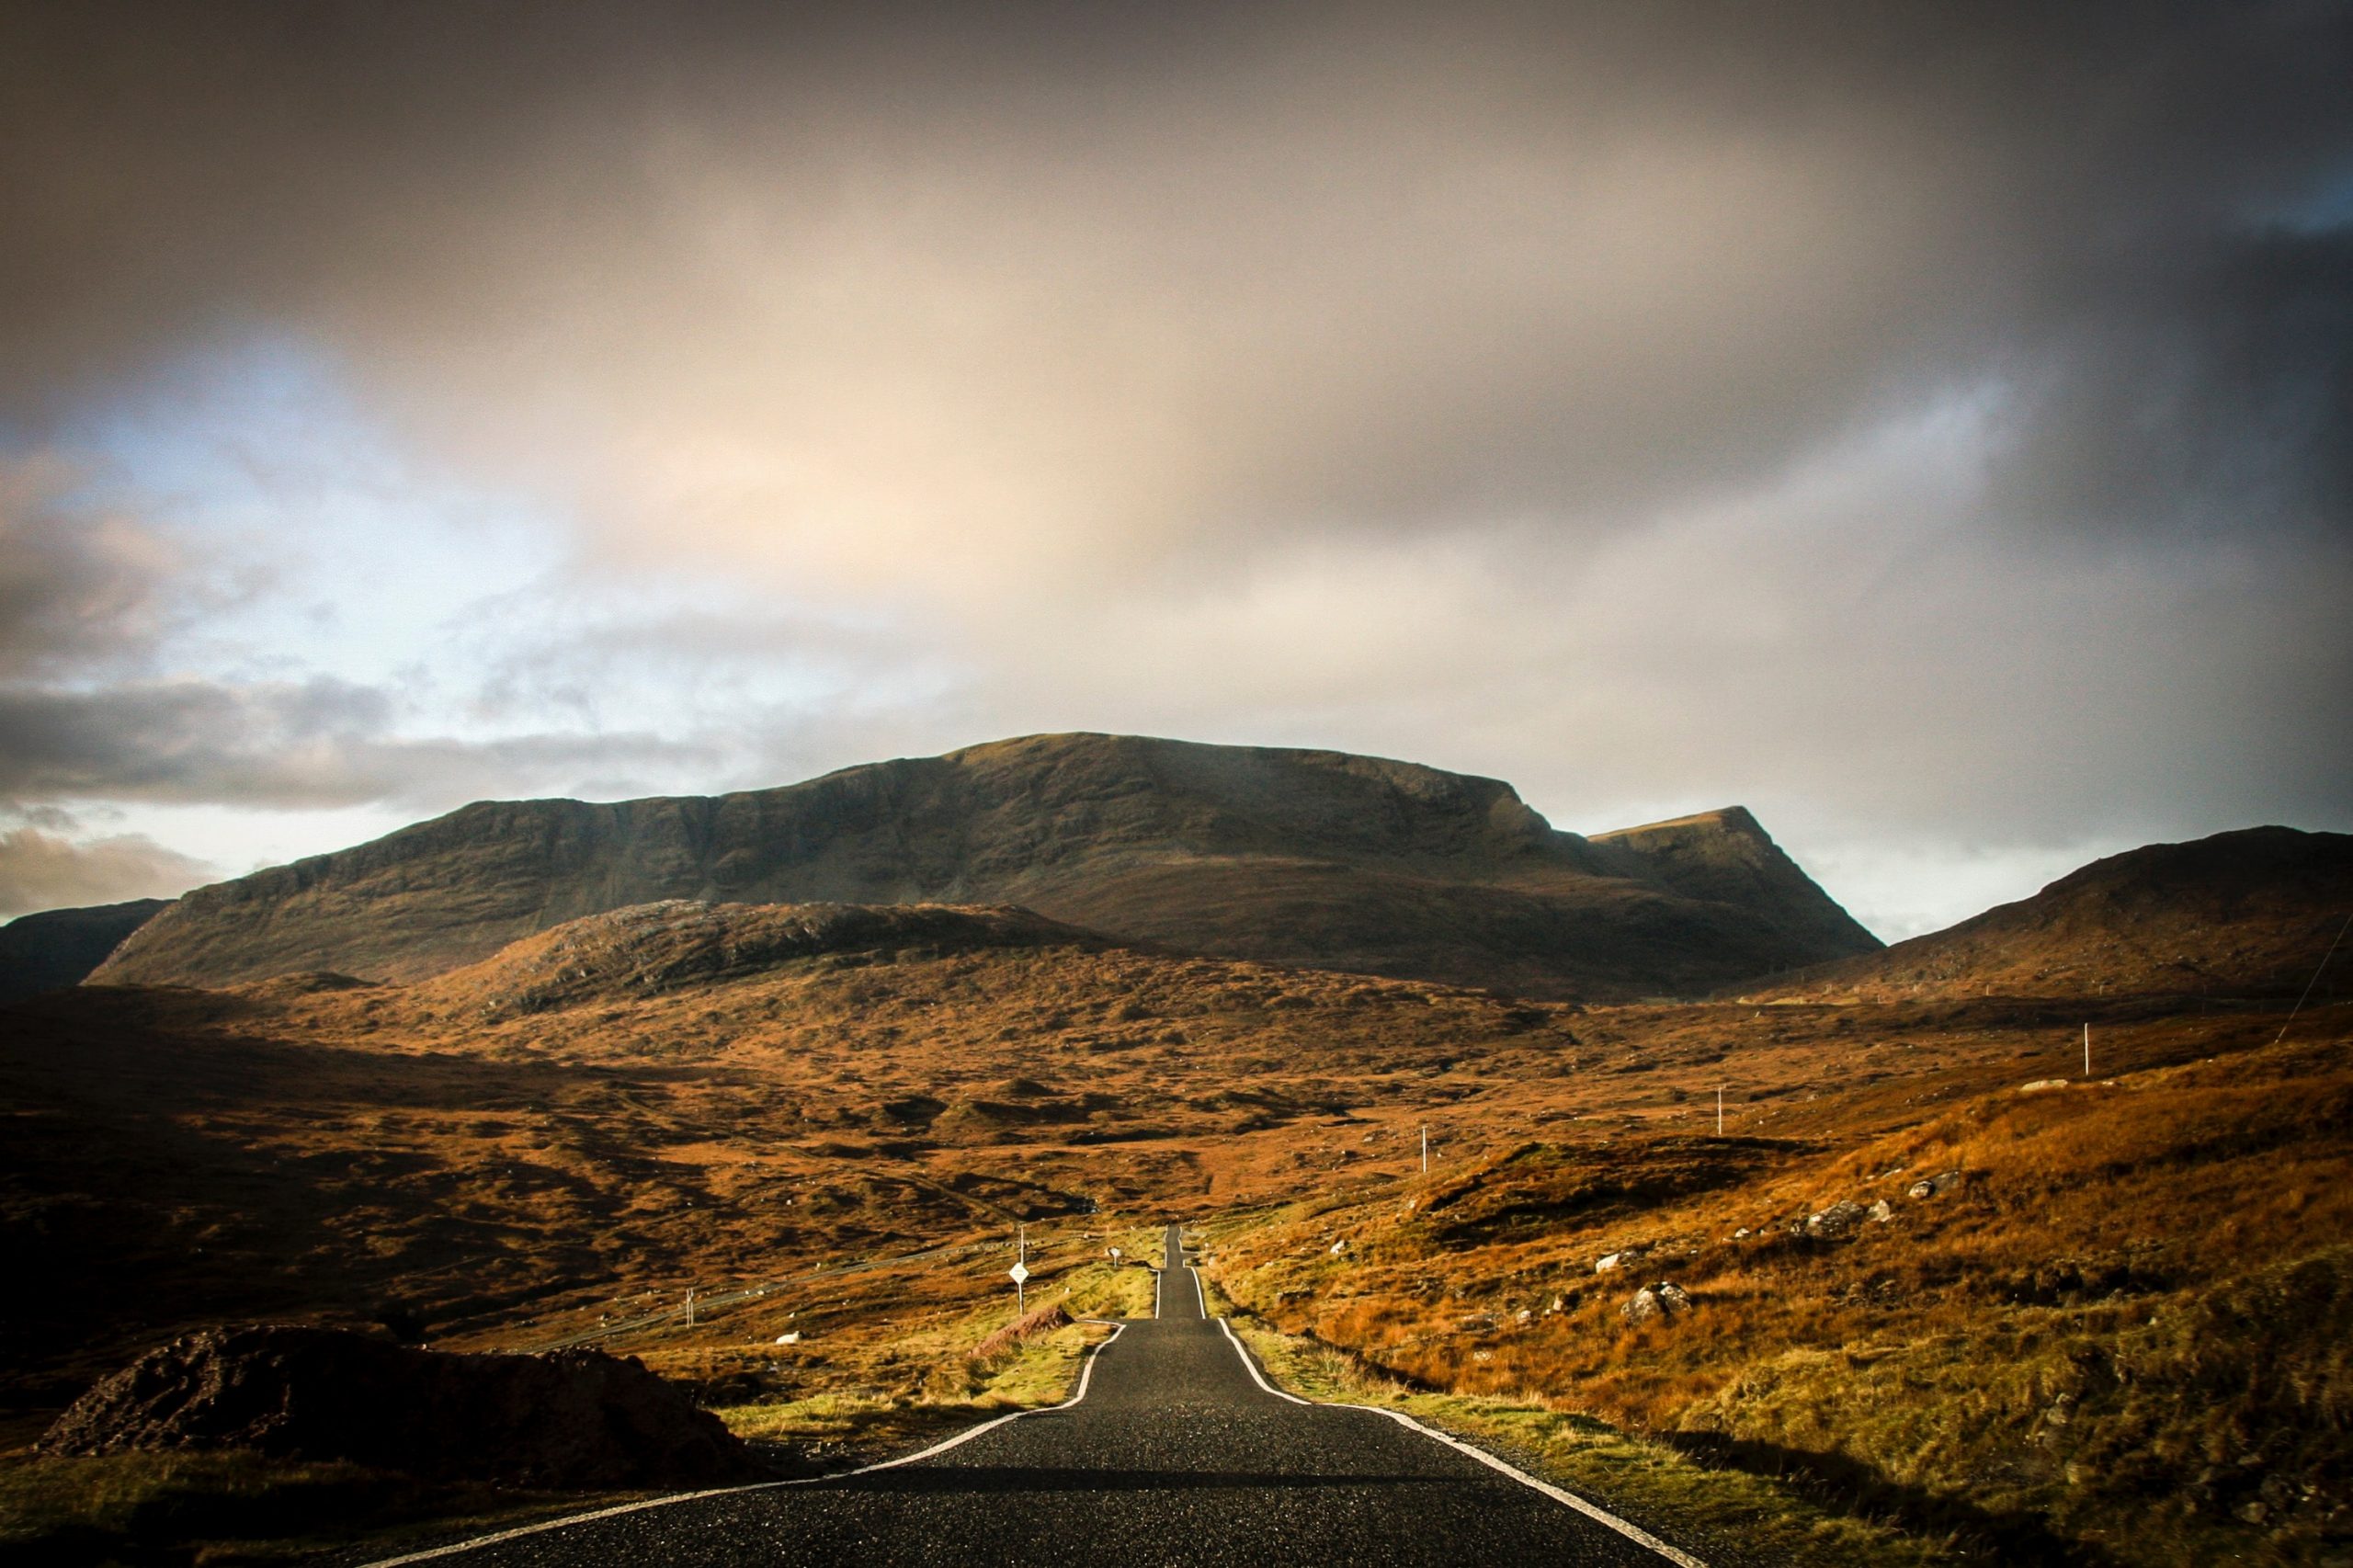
column 59, row 947
column 2249, row 913
column 1305, row 857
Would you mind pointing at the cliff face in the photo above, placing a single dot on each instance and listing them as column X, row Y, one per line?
column 2250, row 912
column 1295, row 857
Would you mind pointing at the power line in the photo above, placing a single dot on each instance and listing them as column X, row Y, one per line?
column 2314, row 981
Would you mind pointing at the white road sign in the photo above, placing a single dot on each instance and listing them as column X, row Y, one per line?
column 1021, row 1273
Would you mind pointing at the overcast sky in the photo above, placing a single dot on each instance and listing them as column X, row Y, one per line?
column 1931, row 426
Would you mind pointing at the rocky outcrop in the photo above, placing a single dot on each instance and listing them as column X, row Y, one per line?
column 574, row 1419
column 1315, row 859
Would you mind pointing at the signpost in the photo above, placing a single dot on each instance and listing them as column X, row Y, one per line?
column 1020, row 1271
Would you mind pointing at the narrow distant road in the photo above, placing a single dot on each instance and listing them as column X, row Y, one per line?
column 1176, row 1455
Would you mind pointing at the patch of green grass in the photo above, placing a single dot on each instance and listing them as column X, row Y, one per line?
column 840, row 1428
column 1044, row 1371
column 1727, row 1516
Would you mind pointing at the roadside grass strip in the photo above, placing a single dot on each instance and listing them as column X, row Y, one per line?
column 1598, row 1515
column 1741, row 1518
column 1085, row 1378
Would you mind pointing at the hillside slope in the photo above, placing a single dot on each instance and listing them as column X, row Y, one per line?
column 1314, row 858
column 58, row 946
column 2248, row 913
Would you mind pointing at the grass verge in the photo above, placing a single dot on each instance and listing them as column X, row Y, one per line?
column 844, row 1426
column 1730, row 1518
column 228, row 1509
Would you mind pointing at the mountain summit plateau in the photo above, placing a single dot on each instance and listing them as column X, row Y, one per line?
column 1313, row 858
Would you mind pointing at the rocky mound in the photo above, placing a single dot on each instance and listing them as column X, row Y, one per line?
column 1021, row 1331
column 574, row 1419
column 652, row 948
column 57, row 947
column 1311, row 858
column 2250, row 912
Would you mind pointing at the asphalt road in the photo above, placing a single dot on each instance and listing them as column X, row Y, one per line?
column 1176, row 1455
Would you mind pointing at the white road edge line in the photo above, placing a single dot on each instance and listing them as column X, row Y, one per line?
column 1085, row 1376
column 1598, row 1515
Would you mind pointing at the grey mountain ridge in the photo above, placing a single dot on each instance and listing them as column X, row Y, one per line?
column 1306, row 857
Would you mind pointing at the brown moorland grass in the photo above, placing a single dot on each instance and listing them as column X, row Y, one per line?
column 2123, row 1333
column 858, row 1131
column 944, row 1372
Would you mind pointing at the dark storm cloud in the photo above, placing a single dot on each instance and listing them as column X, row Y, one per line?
column 2215, row 391
column 1649, row 403
column 77, row 585
column 319, row 742
column 1372, row 264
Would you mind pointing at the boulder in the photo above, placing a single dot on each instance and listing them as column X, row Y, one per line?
column 571, row 1419
column 1883, row 1212
column 1840, row 1219
column 1657, row 1301
column 1936, row 1186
